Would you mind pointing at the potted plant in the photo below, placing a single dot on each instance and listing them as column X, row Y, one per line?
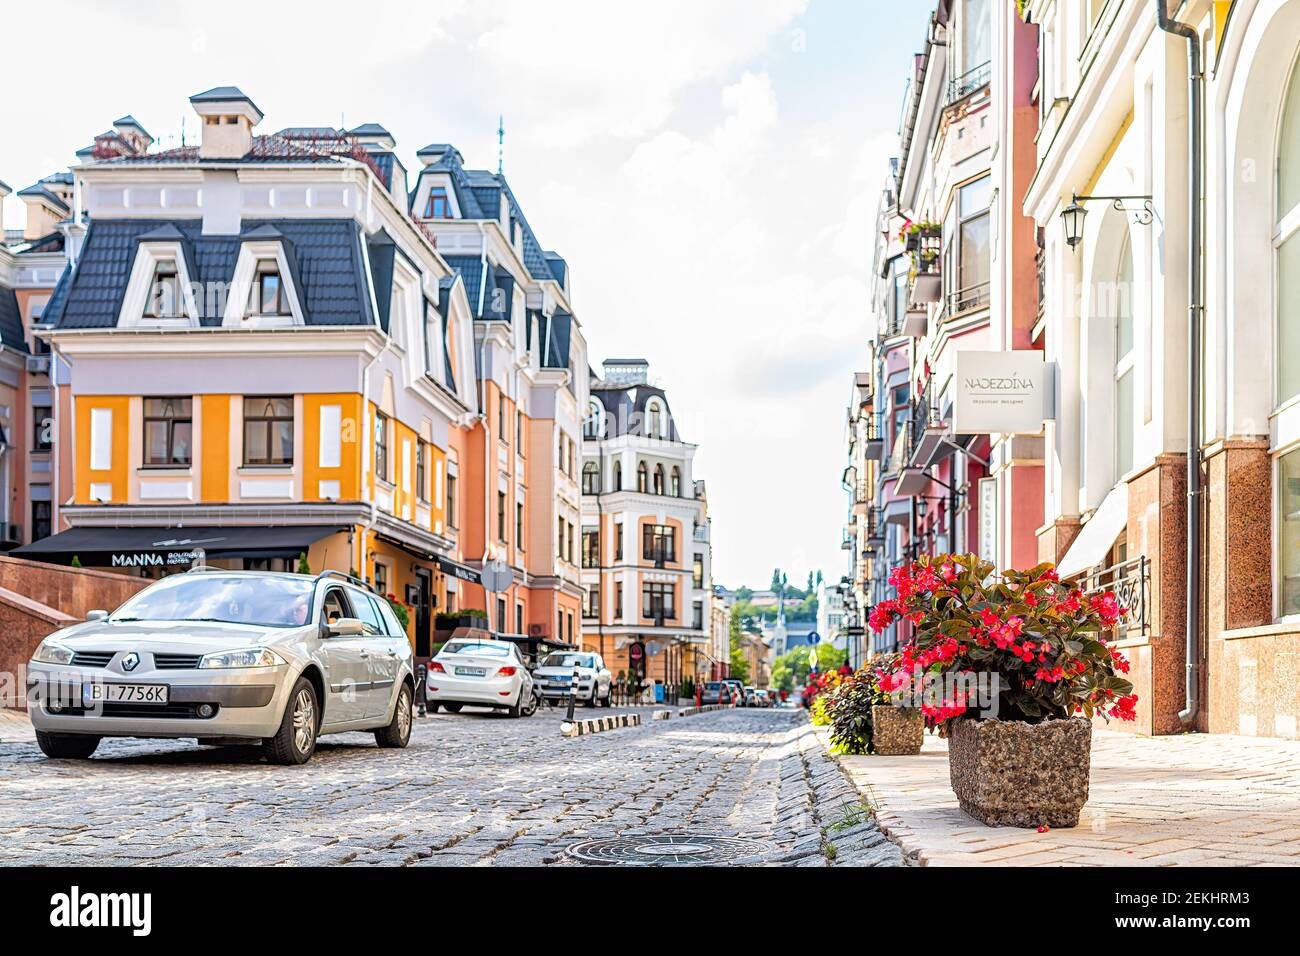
column 1013, row 667
column 865, row 717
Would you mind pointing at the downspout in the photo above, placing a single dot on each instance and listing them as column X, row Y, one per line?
column 366, row 432
column 1195, row 486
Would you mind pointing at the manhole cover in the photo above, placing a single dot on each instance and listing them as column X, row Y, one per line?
column 665, row 849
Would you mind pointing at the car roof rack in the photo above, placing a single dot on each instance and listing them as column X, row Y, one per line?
column 351, row 579
column 204, row 567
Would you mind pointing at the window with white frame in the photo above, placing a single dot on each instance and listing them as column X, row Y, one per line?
column 268, row 296
column 1286, row 244
column 164, row 300
column 967, row 248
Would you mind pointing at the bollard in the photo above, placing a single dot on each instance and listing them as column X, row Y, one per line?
column 421, row 689
column 573, row 686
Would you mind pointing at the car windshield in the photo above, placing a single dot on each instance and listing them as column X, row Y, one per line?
column 569, row 660
column 712, row 685
column 486, row 650
column 229, row 599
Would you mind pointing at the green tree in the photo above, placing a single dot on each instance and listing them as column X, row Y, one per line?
column 303, row 566
column 739, row 663
column 776, row 579
column 791, row 669
column 812, row 584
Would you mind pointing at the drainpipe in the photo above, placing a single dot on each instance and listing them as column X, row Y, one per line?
column 1195, row 486
column 366, row 433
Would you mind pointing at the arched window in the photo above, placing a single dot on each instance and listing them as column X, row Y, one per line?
column 659, row 479
column 1286, row 349
column 618, row 476
column 1124, row 356
column 642, row 478
column 676, row 487
column 590, row 479
column 591, row 428
column 654, row 420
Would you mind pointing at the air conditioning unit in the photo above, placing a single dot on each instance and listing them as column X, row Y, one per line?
column 10, row 533
column 536, row 630
column 38, row 364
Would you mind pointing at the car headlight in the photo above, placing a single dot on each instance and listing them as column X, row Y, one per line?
column 50, row 653
column 248, row 657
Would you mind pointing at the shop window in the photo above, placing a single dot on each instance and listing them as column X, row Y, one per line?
column 168, row 431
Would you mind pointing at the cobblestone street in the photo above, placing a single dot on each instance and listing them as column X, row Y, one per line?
column 471, row 789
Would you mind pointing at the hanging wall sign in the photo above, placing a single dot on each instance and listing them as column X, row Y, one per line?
column 1001, row 393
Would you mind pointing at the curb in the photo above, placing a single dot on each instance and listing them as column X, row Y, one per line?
column 596, row 725
column 707, row 708
column 891, row 825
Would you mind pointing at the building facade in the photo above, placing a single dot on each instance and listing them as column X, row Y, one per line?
column 646, row 553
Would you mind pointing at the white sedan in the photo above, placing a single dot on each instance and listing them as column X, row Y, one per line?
column 593, row 685
column 480, row 673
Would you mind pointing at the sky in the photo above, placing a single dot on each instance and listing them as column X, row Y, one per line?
column 709, row 168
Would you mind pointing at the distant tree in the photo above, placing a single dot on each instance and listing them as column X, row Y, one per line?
column 819, row 577
column 303, row 566
column 776, row 579
column 744, row 593
column 739, row 663
column 812, row 585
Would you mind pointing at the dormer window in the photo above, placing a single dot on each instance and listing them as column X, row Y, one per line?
column 164, row 301
column 267, row 296
column 438, row 205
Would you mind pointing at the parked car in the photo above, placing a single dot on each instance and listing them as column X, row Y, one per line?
column 762, row 698
column 594, row 681
column 479, row 672
column 715, row 692
column 737, row 690
column 749, row 699
column 227, row 656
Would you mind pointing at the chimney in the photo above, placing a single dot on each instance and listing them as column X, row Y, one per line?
column 226, row 119
column 633, row 371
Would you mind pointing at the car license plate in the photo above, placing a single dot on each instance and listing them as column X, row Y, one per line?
column 471, row 671
column 124, row 693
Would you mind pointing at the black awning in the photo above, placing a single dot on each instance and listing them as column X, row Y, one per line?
column 458, row 570
column 171, row 547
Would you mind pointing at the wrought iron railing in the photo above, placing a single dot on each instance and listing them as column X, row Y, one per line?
column 967, row 83
column 924, row 415
column 1130, row 582
column 968, row 299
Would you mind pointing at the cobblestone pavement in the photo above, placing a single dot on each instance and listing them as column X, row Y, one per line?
column 471, row 789
column 1199, row 799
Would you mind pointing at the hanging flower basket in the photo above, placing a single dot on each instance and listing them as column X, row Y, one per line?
column 1004, row 663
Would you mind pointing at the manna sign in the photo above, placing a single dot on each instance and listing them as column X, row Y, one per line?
column 1000, row 393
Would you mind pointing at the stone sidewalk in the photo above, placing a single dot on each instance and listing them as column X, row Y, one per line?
column 1192, row 799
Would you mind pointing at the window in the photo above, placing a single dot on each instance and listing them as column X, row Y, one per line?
column 675, row 488
column 268, row 295
column 568, row 619
column 569, row 549
column 697, row 616
column 364, row 609
column 381, row 446
column 591, row 426
column 654, row 415
column 268, row 431
column 1124, row 356
column 421, row 471
column 658, row 543
column 697, row 571
column 42, row 427
column 659, row 479
column 590, row 547
column 899, row 294
column 501, row 420
column 975, row 23
column 501, row 516
column 559, row 625
column 42, row 519
column 971, row 289
column 519, row 525
column 642, row 478
column 618, row 600
column 168, row 426
column 901, row 412
column 591, row 602
column 437, row 206
column 519, row 619
column 590, row 479
column 501, row 614
column 657, row 601
column 618, row 542
column 559, row 538
column 618, row 475
column 381, row 577
column 451, row 501
column 519, row 433
column 164, row 300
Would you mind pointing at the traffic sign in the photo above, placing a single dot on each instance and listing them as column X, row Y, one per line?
column 814, row 637
column 497, row 576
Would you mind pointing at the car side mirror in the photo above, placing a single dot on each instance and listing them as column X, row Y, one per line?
column 345, row 627
column 96, row 615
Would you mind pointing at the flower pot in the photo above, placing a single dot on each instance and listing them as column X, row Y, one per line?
column 1010, row 773
column 896, row 731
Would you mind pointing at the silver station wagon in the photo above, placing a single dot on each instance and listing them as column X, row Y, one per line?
column 227, row 657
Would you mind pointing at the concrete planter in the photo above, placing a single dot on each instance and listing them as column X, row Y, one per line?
column 1009, row 773
column 896, row 731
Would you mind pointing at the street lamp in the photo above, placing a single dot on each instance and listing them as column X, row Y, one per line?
column 1073, row 215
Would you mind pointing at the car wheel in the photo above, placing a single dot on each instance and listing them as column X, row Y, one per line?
column 531, row 707
column 516, row 710
column 452, row 708
column 295, row 741
column 608, row 699
column 66, row 746
column 591, row 701
column 398, row 732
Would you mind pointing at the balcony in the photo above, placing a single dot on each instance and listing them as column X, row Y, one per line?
column 876, row 527
column 968, row 299
column 701, row 532
column 925, row 281
column 973, row 80
column 873, row 439
column 849, row 540
column 926, row 432
column 861, row 497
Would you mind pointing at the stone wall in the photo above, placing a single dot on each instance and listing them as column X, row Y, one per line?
column 23, row 622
